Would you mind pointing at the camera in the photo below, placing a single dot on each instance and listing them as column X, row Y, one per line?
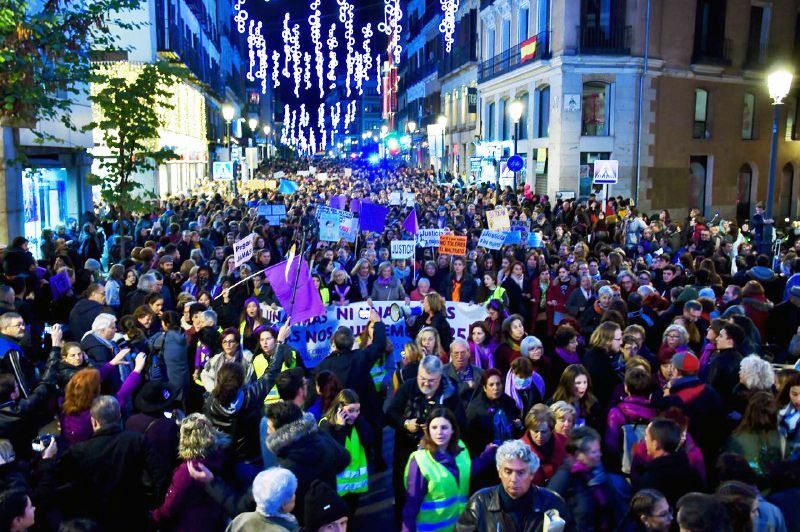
column 41, row 442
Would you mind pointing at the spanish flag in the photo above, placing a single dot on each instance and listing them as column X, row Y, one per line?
column 527, row 49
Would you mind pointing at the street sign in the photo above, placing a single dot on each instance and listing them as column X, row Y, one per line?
column 222, row 171
column 606, row 172
column 515, row 163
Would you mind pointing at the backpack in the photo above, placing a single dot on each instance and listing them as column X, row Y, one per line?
column 156, row 369
column 632, row 433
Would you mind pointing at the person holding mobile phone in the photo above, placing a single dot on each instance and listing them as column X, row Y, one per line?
column 345, row 424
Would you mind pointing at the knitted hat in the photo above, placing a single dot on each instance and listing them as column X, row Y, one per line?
column 686, row 362
column 687, row 294
column 665, row 353
column 707, row 293
column 323, row 505
column 92, row 265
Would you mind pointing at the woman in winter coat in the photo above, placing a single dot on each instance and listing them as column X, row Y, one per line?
column 362, row 278
column 756, row 305
column 549, row 446
column 345, row 424
column 459, row 285
column 234, row 407
column 519, row 290
column 84, row 387
column 187, row 506
column 789, row 416
column 481, row 345
column 513, row 331
column 757, row 437
column 170, row 345
column 231, row 352
column 596, row 500
column 635, row 409
column 575, row 388
column 386, row 286
column 492, row 416
column 602, row 358
column 249, row 321
column 430, row 472
column 274, row 495
column 433, row 315
column 524, row 385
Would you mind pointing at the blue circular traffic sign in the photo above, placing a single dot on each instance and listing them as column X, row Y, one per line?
column 515, row 163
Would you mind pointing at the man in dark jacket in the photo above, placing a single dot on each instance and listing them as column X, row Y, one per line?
column 12, row 356
column 699, row 401
column 669, row 471
column 408, row 413
column 302, row 448
column 516, row 504
column 110, row 467
column 18, row 260
column 86, row 310
column 466, row 376
column 147, row 284
column 722, row 372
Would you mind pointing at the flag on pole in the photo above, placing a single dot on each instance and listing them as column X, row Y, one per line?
column 410, row 224
column 307, row 301
column 287, row 187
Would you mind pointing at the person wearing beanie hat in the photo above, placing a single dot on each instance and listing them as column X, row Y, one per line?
column 699, row 401
column 324, row 509
column 92, row 265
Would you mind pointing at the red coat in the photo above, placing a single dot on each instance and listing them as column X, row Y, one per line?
column 548, row 465
column 558, row 292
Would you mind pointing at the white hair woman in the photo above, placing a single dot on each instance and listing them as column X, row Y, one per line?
column 755, row 375
column 274, row 493
column 187, row 506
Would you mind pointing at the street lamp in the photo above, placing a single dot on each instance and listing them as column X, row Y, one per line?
column 442, row 121
column 412, row 128
column 515, row 112
column 227, row 113
column 779, row 83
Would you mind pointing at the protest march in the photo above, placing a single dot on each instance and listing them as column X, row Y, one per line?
column 376, row 350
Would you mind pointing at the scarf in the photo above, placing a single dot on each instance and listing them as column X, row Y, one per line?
column 481, row 356
column 383, row 282
column 566, row 356
column 543, row 297
column 511, row 390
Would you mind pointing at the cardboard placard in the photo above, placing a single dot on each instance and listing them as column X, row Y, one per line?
column 243, row 250
column 402, row 249
column 492, row 239
column 498, row 219
column 453, row 245
column 429, row 238
column 395, row 198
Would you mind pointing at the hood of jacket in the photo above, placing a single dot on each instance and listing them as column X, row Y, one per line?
column 761, row 273
column 291, row 433
column 637, row 408
column 760, row 304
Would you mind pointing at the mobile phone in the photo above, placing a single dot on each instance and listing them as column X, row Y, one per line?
column 48, row 329
column 40, row 443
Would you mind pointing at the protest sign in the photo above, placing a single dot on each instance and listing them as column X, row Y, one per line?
column 373, row 217
column 270, row 184
column 492, row 239
column 329, row 227
column 338, row 201
column 395, row 198
column 302, row 173
column 274, row 213
column 323, row 176
column 312, row 339
column 429, row 238
column 523, row 228
column 243, row 250
column 453, row 245
column 348, row 228
column 513, row 237
column 279, row 174
column 409, row 198
column 312, row 169
column 535, row 240
column 498, row 219
column 348, row 172
column 402, row 249
column 59, row 284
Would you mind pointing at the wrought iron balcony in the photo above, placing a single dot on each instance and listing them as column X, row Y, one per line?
column 515, row 57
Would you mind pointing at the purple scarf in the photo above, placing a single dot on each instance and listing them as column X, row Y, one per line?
column 566, row 356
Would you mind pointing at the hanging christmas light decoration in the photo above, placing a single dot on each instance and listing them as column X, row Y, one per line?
column 333, row 43
column 286, row 34
column 448, row 24
column 307, row 71
column 336, row 114
column 263, row 62
column 286, row 115
column 312, row 141
column 316, row 36
column 276, row 68
column 321, row 116
column 392, row 14
column 366, row 57
column 241, row 16
column 251, row 50
column 292, row 124
column 304, row 116
column 378, row 73
column 350, row 41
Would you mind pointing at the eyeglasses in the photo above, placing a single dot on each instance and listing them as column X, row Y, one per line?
column 229, row 342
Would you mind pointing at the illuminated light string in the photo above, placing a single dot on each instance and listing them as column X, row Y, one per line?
column 286, row 34
column 336, row 114
column 448, row 24
column 297, row 59
column 307, row 71
column 392, row 15
column 241, row 16
column 316, row 36
column 359, row 72
column 276, row 59
column 366, row 57
column 333, row 62
column 286, row 115
column 378, row 73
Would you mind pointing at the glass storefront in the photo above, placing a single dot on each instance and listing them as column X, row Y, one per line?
column 44, row 193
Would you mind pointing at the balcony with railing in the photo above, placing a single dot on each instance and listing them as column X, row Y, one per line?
column 718, row 53
column 595, row 40
column 515, row 57
column 173, row 45
column 420, row 73
column 457, row 58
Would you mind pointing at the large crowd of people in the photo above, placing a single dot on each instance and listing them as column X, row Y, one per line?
column 634, row 372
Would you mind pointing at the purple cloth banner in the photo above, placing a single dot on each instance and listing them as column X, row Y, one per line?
column 373, row 217
column 307, row 301
column 338, row 202
column 410, row 224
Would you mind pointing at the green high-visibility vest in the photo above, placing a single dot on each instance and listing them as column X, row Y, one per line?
column 378, row 373
column 354, row 478
column 497, row 294
column 261, row 364
column 446, row 497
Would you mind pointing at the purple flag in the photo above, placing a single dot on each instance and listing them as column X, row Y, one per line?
column 338, row 202
column 410, row 224
column 60, row 284
column 307, row 301
column 373, row 217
